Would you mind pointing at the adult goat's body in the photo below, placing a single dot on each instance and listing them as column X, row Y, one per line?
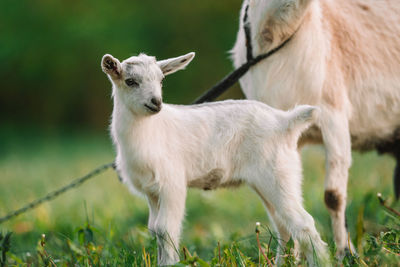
column 345, row 58
column 162, row 150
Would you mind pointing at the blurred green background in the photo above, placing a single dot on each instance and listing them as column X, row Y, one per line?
column 55, row 108
column 51, row 52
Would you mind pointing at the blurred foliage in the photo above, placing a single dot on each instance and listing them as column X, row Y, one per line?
column 51, row 53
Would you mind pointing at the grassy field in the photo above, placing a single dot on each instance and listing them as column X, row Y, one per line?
column 100, row 223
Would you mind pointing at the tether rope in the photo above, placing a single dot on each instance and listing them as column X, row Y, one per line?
column 50, row 196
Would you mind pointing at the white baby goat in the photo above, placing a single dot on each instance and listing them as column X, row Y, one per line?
column 162, row 149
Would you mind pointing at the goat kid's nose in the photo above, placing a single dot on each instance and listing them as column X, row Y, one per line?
column 156, row 101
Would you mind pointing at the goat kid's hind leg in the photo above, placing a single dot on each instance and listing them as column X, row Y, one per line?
column 336, row 136
column 282, row 189
column 301, row 226
column 291, row 215
column 283, row 234
column 168, row 224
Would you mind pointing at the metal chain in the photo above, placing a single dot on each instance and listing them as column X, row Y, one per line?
column 54, row 194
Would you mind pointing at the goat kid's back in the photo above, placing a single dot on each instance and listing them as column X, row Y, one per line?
column 218, row 135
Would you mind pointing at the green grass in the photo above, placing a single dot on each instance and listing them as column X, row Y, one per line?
column 100, row 223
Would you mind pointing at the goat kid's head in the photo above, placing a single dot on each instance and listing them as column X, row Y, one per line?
column 137, row 81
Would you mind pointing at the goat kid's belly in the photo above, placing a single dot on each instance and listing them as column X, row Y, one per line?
column 199, row 172
column 210, row 171
column 215, row 178
column 147, row 182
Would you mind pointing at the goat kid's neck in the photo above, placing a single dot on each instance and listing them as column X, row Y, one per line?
column 128, row 124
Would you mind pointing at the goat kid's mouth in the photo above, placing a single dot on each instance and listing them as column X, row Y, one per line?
column 153, row 108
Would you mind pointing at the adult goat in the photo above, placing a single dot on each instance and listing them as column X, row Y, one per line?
column 344, row 56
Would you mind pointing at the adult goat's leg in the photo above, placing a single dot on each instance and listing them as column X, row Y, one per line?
column 336, row 137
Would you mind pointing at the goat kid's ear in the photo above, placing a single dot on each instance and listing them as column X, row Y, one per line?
column 111, row 66
column 172, row 65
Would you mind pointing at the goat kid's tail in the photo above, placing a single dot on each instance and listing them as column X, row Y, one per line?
column 300, row 118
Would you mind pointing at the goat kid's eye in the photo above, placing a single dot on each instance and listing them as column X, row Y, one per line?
column 131, row 82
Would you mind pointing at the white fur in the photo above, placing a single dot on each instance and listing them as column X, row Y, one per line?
column 345, row 58
column 206, row 146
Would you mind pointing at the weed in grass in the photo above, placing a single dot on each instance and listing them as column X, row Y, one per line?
column 5, row 245
column 88, row 248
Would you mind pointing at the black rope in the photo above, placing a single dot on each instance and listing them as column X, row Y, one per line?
column 235, row 75
column 247, row 34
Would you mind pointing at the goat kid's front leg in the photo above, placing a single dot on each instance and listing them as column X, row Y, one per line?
column 336, row 137
column 167, row 225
